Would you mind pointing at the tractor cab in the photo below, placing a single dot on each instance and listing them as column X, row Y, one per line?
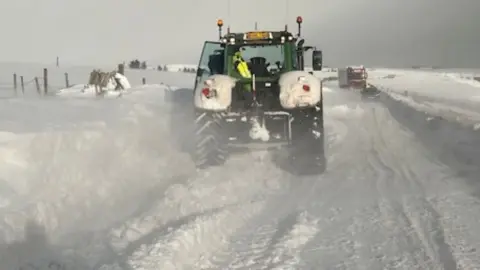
column 251, row 91
column 268, row 54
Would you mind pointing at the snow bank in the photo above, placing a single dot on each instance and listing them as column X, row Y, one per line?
column 471, row 79
column 72, row 168
column 428, row 83
column 452, row 112
column 453, row 96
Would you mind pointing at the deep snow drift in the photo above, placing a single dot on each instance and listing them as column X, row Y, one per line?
column 74, row 168
column 108, row 184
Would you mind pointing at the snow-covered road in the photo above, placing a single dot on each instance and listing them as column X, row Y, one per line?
column 385, row 202
column 105, row 184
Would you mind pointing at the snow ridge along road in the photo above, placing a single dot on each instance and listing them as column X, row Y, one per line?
column 108, row 184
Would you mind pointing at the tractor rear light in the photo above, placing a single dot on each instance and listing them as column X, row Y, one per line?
column 209, row 93
column 206, row 92
column 306, row 87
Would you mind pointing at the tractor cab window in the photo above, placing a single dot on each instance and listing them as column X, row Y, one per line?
column 216, row 62
column 212, row 59
column 211, row 62
column 264, row 60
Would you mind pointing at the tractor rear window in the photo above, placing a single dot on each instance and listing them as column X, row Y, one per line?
column 271, row 53
column 264, row 57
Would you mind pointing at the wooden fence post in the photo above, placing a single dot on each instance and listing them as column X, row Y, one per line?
column 37, row 84
column 144, row 80
column 45, row 81
column 15, row 82
column 121, row 69
column 67, row 83
column 22, row 84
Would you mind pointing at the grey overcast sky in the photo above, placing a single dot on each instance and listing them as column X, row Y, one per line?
column 370, row 32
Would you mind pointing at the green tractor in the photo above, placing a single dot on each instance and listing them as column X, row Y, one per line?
column 278, row 106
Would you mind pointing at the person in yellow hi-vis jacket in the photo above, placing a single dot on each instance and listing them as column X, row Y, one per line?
column 240, row 65
column 242, row 68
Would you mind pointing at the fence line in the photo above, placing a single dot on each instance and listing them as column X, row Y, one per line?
column 41, row 83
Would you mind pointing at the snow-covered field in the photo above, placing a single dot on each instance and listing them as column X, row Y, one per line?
column 107, row 184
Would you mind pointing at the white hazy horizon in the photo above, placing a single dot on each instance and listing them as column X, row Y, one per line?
column 371, row 32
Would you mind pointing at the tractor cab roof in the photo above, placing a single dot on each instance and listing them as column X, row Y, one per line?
column 258, row 38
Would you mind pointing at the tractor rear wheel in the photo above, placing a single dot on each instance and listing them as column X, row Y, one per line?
column 210, row 142
column 307, row 154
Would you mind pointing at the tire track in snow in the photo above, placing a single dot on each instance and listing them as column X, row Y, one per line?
column 461, row 229
column 399, row 199
column 421, row 223
column 286, row 254
column 458, row 148
column 185, row 241
column 263, row 249
column 273, row 246
column 194, row 220
column 276, row 237
column 265, row 235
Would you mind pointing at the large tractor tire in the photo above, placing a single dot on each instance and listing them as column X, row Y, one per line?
column 307, row 152
column 210, row 142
